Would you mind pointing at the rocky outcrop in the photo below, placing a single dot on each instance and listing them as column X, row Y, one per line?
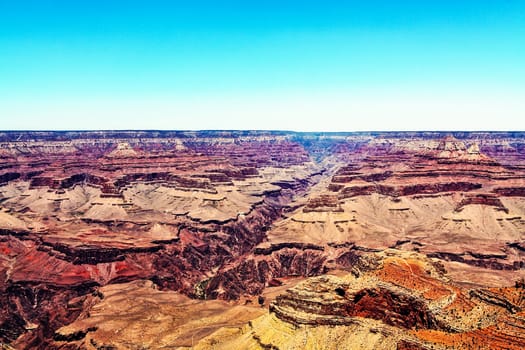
column 292, row 245
column 495, row 299
column 252, row 276
column 323, row 301
column 404, row 302
column 488, row 261
column 323, row 203
column 407, row 190
column 482, row 199
column 510, row 191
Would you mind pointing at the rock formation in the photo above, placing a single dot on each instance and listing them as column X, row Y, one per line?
column 404, row 302
column 244, row 216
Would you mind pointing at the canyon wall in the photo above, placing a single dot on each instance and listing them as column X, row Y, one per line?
column 232, row 215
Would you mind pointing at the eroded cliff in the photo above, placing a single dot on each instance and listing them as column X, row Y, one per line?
column 242, row 216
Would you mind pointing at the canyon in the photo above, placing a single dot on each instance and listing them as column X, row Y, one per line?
column 262, row 240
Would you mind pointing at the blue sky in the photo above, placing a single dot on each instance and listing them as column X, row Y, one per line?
column 299, row 65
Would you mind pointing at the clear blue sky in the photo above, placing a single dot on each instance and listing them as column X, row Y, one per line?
column 300, row 65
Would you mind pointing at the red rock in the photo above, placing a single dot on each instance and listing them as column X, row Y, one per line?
column 83, row 198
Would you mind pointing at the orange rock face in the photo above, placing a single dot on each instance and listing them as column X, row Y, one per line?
column 412, row 295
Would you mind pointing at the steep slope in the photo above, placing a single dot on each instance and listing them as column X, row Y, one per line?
column 403, row 301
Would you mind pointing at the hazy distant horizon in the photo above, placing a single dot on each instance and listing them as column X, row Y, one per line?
column 295, row 65
column 247, row 132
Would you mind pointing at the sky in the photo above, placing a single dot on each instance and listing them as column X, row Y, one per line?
column 270, row 65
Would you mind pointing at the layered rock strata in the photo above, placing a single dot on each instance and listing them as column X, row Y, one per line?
column 238, row 215
column 404, row 302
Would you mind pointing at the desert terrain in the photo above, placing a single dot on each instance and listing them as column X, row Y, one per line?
column 262, row 240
